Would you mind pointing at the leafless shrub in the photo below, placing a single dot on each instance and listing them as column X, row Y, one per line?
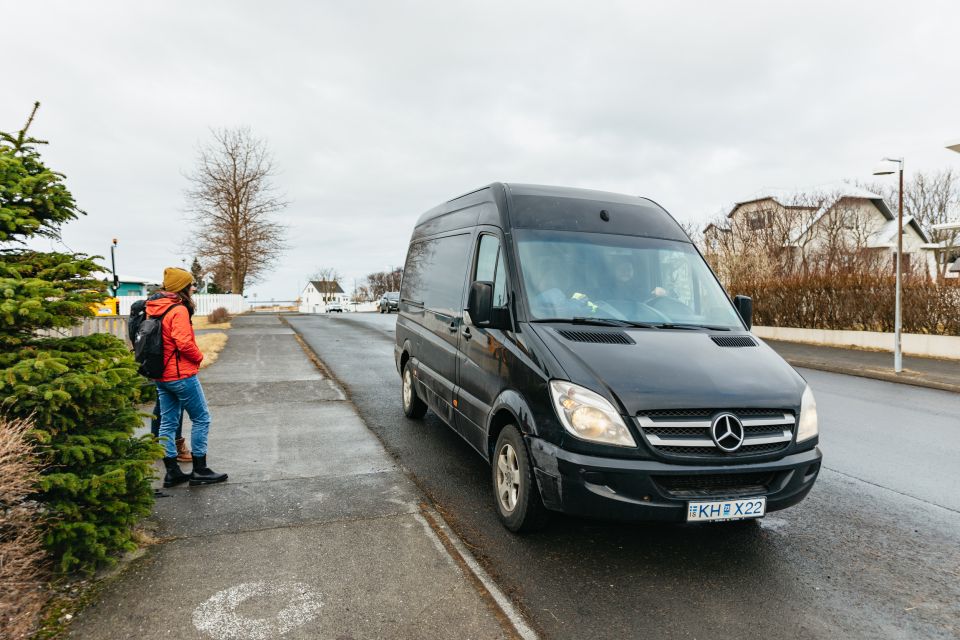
column 218, row 315
column 23, row 563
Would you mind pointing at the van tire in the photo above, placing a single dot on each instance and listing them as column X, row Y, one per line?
column 413, row 407
column 511, row 465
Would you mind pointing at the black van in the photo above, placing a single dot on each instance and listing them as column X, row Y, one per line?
column 580, row 343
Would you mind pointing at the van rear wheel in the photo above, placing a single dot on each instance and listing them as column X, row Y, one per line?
column 413, row 406
column 514, row 485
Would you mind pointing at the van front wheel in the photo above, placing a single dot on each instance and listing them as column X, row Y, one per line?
column 413, row 406
column 514, row 485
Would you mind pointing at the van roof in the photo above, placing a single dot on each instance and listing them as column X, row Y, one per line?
column 559, row 208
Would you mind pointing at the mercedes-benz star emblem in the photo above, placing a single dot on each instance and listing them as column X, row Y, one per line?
column 727, row 432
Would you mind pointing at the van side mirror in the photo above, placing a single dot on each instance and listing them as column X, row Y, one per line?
column 480, row 303
column 744, row 306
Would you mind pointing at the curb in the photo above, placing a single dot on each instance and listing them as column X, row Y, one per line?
column 906, row 377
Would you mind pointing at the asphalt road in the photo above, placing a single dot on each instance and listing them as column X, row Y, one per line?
column 873, row 552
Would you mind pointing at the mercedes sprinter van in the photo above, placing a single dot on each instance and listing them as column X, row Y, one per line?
column 580, row 343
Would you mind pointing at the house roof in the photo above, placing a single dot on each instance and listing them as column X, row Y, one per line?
column 326, row 286
column 126, row 279
column 886, row 236
column 836, row 192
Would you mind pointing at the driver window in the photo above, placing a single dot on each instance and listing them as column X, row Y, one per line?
column 489, row 268
column 676, row 276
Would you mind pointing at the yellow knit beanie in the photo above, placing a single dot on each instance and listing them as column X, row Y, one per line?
column 175, row 279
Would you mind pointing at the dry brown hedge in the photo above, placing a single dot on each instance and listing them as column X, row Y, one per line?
column 23, row 562
column 859, row 302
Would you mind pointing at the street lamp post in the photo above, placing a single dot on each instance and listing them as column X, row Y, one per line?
column 883, row 170
column 113, row 267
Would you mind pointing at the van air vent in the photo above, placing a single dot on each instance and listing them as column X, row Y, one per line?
column 733, row 341
column 598, row 337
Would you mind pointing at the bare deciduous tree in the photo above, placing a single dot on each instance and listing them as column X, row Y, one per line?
column 232, row 202
column 380, row 282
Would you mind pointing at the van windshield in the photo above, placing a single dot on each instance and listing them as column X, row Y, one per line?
column 634, row 279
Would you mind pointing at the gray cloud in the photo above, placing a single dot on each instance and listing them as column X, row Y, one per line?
column 377, row 111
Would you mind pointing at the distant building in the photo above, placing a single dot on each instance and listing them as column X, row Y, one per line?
column 318, row 294
column 129, row 285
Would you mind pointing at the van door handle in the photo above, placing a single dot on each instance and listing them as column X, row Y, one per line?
column 466, row 333
column 452, row 327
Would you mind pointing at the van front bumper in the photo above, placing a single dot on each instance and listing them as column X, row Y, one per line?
column 649, row 490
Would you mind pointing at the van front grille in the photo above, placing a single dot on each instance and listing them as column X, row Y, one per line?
column 711, row 485
column 686, row 433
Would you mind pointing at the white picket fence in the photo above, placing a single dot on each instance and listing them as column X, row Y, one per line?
column 206, row 302
column 114, row 325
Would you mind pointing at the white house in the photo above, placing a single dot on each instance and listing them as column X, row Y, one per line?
column 805, row 222
column 318, row 294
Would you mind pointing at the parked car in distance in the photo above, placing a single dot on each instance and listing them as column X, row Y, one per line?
column 390, row 301
column 334, row 307
column 580, row 343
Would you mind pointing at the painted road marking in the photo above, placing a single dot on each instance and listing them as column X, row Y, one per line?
column 218, row 618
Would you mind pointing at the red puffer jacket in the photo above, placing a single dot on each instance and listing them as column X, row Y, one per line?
column 180, row 351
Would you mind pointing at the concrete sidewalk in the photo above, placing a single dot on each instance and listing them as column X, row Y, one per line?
column 317, row 533
column 922, row 372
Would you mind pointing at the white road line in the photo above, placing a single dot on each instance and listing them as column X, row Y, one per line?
column 500, row 598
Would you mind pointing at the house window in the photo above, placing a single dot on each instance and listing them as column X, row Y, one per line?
column 759, row 220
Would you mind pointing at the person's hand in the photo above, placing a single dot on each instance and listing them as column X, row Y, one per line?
column 584, row 300
column 658, row 292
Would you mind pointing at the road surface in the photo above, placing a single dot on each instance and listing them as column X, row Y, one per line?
column 873, row 552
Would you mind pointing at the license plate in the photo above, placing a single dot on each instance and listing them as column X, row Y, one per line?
column 726, row 510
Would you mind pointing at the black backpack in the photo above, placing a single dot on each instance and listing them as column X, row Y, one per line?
column 146, row 334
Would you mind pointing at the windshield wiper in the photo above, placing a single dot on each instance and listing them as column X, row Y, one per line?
column 601, row 322
column 691, row 327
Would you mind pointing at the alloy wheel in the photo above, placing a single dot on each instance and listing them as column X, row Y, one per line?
column 407, row 388
column 508, row 478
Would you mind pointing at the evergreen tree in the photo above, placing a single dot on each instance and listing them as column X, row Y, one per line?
column 81, row 392
column 196, row 270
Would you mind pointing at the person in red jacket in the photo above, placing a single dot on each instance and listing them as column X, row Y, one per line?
column 179, row 388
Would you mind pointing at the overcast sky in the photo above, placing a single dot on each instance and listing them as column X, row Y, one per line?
column 376, row 112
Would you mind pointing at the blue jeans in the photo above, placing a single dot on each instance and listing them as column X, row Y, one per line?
column 175, row 397
column 155, row 421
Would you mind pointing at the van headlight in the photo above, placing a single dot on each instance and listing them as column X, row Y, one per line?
column 808, row 416
column 588, row 416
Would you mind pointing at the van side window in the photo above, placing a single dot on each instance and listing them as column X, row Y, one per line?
column 434, row 273
column 490, row 268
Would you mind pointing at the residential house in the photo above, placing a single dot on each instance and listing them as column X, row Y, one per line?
column 950, row 251
column 819, row 223
column 318, row 294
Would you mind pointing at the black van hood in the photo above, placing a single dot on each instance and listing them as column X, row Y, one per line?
column 678, row 369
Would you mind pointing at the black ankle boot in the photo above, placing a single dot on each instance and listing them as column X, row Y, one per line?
column 203, row 475
column 175, row 474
